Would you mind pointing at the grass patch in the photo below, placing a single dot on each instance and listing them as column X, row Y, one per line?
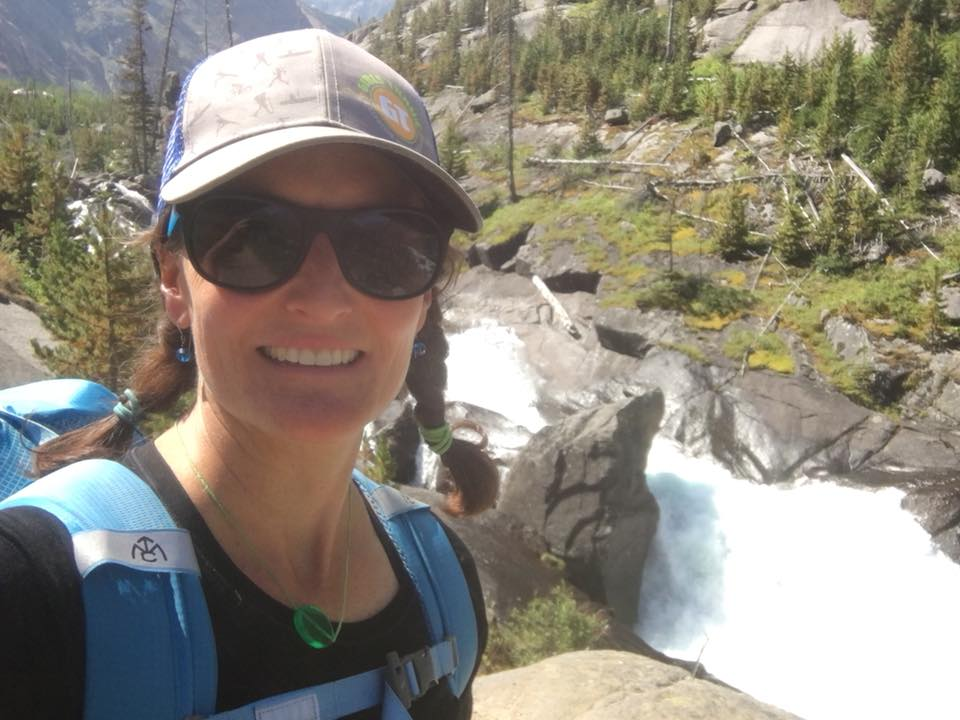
column 691, row 351
column 508, row 219
column 712, row 322
column 694, row 296
column 766, row 351
column 546, row 626
column 733, row 278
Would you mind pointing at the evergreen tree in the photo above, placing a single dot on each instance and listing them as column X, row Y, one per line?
column 47, row 209
column 732, row 236
column 791, row 240
column 831, row 236
column 866, row 221
column 674, row 98
column 92, row 297
column 938, row 131
column 19, row 167
column 445, row 66
column 838, row 109
column 473, row 12
column 453, row 157
column 135, row 96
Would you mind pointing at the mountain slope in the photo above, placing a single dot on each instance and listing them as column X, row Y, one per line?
column 47, row 40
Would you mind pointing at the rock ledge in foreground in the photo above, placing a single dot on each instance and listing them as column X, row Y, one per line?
column 609, row 685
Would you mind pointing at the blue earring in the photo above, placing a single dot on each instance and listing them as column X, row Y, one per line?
column 185, row 351
column 419, row 349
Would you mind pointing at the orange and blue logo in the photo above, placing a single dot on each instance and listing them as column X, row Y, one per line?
column 392, row 107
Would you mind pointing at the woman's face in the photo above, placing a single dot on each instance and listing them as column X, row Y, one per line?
column 314, row 357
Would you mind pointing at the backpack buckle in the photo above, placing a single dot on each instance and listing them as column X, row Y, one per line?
column 411, row 676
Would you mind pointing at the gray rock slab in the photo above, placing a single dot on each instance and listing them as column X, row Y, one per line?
column 609, row 685
column 800, row 28
column 721, row 32
column 18, row 364
column 728, row 7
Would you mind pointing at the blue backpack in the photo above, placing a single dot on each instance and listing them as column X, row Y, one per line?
column 141, row 581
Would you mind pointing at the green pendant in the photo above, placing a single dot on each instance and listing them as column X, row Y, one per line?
column 314, row 627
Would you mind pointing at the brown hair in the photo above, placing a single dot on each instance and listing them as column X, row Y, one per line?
column 159, row 379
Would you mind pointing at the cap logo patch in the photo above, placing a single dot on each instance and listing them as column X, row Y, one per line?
column 392, row 107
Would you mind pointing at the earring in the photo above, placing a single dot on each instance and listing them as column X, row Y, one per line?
column 185, row 351
column 419, row 349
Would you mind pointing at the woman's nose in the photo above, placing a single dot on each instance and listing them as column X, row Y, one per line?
column 319, row 285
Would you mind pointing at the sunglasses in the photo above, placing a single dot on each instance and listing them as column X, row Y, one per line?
column 252, row 244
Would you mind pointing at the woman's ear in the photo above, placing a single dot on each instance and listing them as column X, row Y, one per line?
column 427, row 302
column 173, row 286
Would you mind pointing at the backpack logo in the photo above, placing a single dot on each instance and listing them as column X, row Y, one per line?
column 147, row 550
column 392, row 107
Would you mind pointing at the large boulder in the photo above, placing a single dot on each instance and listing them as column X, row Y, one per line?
column 558, row 263
column 496, row 255
column 607, row 685
column 934, row 181
column 850, row 340
column 623, row 331
column 581, row 485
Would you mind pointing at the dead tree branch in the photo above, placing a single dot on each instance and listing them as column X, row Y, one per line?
column 620, row 164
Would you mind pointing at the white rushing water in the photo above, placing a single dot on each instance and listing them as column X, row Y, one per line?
column 824, row 600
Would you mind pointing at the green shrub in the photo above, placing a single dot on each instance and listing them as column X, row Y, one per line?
column 693, row 295
column 765, row 351
column 546, row 626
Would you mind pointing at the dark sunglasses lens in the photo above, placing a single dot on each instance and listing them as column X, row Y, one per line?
column 389, row 254
column 240, row 244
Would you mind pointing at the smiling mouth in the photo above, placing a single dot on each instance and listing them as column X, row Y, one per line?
column 319, row 358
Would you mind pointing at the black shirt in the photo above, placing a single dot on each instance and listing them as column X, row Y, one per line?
column 259, row 653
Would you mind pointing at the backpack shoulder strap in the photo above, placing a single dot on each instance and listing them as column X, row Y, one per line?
column 432, row 564
column 141, row 593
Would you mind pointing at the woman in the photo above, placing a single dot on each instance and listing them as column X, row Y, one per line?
column 303, row 230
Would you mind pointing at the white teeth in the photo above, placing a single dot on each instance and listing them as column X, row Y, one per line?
column 302, row 356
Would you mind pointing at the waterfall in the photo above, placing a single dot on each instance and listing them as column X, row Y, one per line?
column 827, row 601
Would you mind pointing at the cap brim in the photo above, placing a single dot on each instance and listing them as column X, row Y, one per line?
column 214, row 169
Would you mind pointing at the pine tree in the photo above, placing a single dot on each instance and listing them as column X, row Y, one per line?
column 831, row 236
column 19, row 167
column 135, row 96
column 838, row 109
column 445, row 65
column 47, row 209
column 93, row 301
column 451, row 150
column 791, row 240
column 731, row 237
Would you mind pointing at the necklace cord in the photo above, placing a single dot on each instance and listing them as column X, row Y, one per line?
column 253, row 552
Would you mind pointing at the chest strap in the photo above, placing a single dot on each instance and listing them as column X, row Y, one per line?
column 394, row 686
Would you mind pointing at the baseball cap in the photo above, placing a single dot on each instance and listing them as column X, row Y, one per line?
column 276, row 93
